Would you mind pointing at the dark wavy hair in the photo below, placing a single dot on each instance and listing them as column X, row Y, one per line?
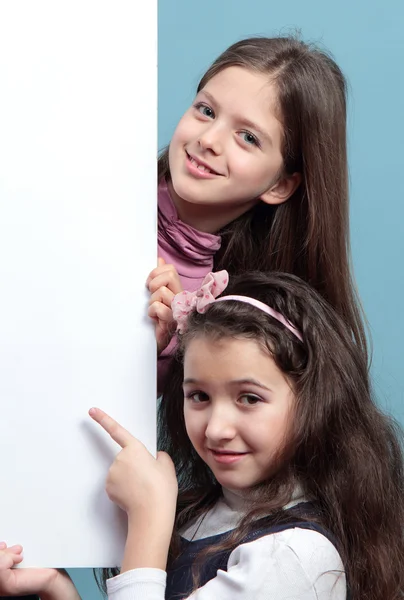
column 342, row 450
column 308, row 235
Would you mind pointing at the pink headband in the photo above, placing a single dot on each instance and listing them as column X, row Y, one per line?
column 212, row 286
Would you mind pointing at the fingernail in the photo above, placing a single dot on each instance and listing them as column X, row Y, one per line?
column 92, row 411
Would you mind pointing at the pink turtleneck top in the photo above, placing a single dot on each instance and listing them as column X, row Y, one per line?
column 189, row 250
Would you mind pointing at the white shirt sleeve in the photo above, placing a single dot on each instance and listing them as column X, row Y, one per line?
column 144, row 584
column 296, row 564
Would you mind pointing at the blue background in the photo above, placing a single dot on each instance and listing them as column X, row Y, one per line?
column 366, row 39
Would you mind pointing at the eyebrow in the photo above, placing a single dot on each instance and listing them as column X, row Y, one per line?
column 248, row 381
column 242, row 121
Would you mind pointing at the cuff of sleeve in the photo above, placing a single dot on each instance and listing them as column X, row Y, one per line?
column 143, row 583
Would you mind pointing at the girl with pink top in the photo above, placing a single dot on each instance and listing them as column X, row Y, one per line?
column 255, row 178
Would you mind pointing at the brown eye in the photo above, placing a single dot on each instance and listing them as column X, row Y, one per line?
column 198, row 397
column 249, row 400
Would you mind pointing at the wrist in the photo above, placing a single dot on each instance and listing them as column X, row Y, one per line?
column 61, row 587
column 147, row 543
column 150, row 528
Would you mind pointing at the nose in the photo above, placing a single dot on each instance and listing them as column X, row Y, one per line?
column 210, row 139
column 221, row 425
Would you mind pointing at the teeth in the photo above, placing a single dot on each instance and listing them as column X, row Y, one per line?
column 200, row 167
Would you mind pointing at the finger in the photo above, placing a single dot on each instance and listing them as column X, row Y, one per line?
column 118, row 433
column 166, row 279
column 17, row 549
column 8, row 560
column 169, row 274
column 161, row 312
column 16, row 558
column 160, row 263
column 163, row 295
column 161, row 268
column 165, row 324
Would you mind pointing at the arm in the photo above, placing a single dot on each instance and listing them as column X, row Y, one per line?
column 148, row 540
column 146, row 488
column 62, row 588
column 49, row 584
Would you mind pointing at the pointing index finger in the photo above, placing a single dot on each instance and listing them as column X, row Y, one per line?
column 118, row 433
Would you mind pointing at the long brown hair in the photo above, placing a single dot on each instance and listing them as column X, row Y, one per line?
column 308, row 235
column 342, row 450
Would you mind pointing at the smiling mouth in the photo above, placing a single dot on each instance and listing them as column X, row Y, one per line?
column 230, row 452
column 227, row 457
column 200, row 166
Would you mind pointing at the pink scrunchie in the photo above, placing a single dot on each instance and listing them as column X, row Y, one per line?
column 185, row 302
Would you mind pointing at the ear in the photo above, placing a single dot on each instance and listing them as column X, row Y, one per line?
column 282, row 189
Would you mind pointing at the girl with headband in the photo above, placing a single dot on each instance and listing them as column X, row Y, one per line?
column 285, row 479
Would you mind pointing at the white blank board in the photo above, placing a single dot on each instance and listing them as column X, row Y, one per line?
column 78, row 144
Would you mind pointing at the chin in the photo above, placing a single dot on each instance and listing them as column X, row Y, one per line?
column 233, row 483
column 181, row 188
column 183, row 192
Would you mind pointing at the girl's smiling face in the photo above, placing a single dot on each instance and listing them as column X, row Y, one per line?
column 227, row 149
column 237, row 407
